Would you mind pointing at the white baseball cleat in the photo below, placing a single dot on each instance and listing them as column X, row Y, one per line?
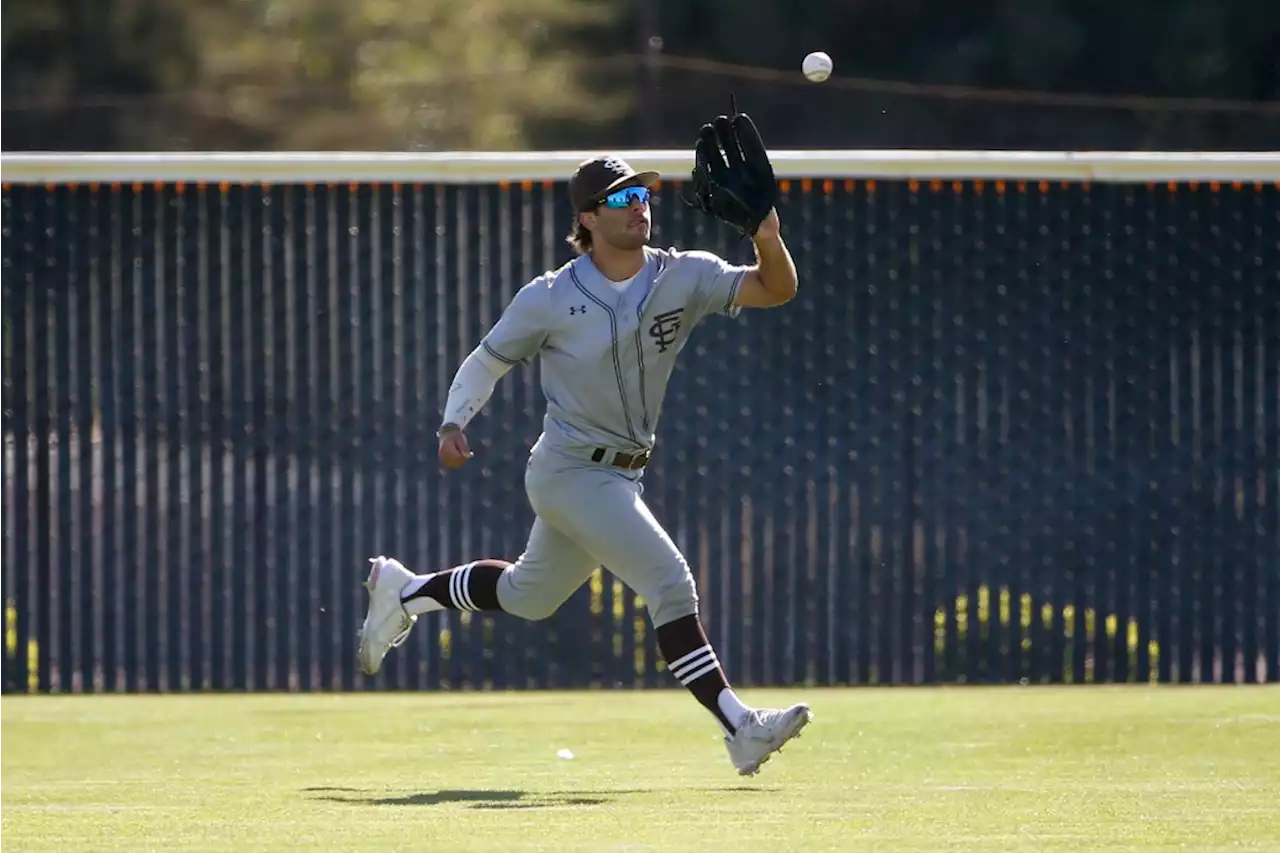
column 763, row 733
column 386, row 624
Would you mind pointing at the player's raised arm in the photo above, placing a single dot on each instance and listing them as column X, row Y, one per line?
column 733, row 181
column 773, row 280
column 725, row 288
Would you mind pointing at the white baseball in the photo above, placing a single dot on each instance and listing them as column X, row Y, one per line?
column 817, row 66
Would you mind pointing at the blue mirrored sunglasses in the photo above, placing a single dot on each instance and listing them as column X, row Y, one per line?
column 622, row 198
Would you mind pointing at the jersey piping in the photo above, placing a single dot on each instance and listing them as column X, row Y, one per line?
column 499, row 356
column 644, row 397
column 617, row 359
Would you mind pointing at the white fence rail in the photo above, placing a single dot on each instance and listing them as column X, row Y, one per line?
column 494, row 167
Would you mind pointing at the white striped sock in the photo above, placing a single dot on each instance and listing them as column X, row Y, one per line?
column 458, row 590
column 694, row 665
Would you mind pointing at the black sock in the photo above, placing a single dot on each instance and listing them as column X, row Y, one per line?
column 473, row 586
column 689, row 656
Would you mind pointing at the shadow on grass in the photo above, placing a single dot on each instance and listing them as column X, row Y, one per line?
column 491, row 799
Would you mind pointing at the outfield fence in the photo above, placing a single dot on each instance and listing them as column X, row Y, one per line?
column 1020, row 424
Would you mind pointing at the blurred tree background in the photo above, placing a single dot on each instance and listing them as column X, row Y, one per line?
column 518, row 74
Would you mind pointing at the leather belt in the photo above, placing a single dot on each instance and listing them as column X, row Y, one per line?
column 630, row 461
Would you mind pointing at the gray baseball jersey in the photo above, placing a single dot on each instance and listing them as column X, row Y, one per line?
column 608, row 354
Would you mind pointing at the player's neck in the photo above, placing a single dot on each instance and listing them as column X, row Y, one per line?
column 617, row 265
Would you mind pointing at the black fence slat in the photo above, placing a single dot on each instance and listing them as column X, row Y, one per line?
column 279, row 455
column 9, row 383
column 327, row 342
column 350, row 384
column 46, row 405
column 263, row 443
column 171, row 505
column 198, row 238
column 246, row 357
column 305, row 378
column 85, row 259
column 367, row 372
column 111, row 376
column 19, row 418
column 215, row 419
column 419, row 451
column 63, row 330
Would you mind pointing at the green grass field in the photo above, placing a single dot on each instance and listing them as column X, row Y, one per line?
column 1038, row 769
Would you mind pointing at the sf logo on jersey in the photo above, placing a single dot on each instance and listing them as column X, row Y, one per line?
column 664, row 329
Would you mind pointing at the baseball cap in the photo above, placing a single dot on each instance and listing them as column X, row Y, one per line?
column 599, row 176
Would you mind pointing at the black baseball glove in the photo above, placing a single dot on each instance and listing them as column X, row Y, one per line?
column 732, row 177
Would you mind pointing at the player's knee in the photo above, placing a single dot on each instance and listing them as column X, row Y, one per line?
column 524, row 599
column 534, row 610
column 676, row 597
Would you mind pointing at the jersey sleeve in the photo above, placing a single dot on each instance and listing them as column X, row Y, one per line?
column 521, row 331
column 715, row 284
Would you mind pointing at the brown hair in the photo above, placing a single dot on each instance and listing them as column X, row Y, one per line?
column 579, row 237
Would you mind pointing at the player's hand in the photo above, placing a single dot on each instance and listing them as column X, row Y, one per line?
column 454, row 451
column 770, row 228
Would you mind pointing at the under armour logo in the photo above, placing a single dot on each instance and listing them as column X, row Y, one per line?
column 664, row 329
column 579, row 309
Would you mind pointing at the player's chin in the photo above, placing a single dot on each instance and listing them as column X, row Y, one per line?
column 632, row 240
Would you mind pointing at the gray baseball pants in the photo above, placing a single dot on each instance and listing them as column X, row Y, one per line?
column 589, row 515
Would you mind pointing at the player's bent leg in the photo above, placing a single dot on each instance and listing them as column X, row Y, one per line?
column 397, row 597
column 751, row 735
column 608, row 517
column 533, row 587
column 611, row 521
column 550, row 570
column 472, row 586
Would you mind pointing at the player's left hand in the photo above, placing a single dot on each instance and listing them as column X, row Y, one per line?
column 770, row 227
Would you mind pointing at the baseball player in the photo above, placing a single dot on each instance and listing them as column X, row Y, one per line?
column 608, row 327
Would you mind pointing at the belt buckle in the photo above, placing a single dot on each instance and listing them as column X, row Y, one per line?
column 628, row 461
